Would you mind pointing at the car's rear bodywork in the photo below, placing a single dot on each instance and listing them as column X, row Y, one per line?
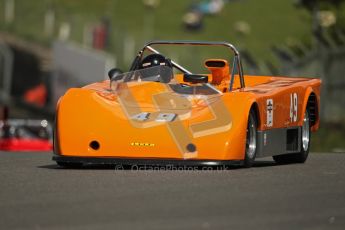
column 130, row 120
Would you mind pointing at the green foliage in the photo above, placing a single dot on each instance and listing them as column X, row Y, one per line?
column 330, row 137
column 270, row 22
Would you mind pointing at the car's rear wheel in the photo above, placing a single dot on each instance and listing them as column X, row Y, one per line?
column 251, row 143
column 302, row 156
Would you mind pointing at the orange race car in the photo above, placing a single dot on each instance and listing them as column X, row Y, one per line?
column 160, row 113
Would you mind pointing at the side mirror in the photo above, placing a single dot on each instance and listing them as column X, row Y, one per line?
column 195, row 78
column 114, row 72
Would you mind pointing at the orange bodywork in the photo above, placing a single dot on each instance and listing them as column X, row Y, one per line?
column 95, row 114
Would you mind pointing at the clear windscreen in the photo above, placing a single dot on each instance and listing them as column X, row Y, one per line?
column 158, row 88
column 161, row 74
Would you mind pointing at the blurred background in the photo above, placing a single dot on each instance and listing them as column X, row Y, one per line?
column 47, row 46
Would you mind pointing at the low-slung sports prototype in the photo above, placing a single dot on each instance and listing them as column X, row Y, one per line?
column 161, row 113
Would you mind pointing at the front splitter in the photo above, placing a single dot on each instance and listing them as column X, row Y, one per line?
column 141, row 161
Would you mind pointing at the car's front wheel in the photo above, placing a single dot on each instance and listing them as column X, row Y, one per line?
column 302, row 156
column 250, row 152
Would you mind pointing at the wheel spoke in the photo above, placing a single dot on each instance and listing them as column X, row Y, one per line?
column 251, row 138
column 305, row 132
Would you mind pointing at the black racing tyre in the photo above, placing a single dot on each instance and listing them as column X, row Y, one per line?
column 251, row 143
column 302, row 156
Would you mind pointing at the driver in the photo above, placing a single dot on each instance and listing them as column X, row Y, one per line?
column 165, row 74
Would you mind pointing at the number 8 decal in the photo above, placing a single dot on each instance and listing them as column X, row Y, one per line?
column 293, row 107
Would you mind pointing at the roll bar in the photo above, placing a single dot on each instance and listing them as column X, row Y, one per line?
column 237, row 60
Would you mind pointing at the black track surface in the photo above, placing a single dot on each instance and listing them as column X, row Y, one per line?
column 37, row 194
